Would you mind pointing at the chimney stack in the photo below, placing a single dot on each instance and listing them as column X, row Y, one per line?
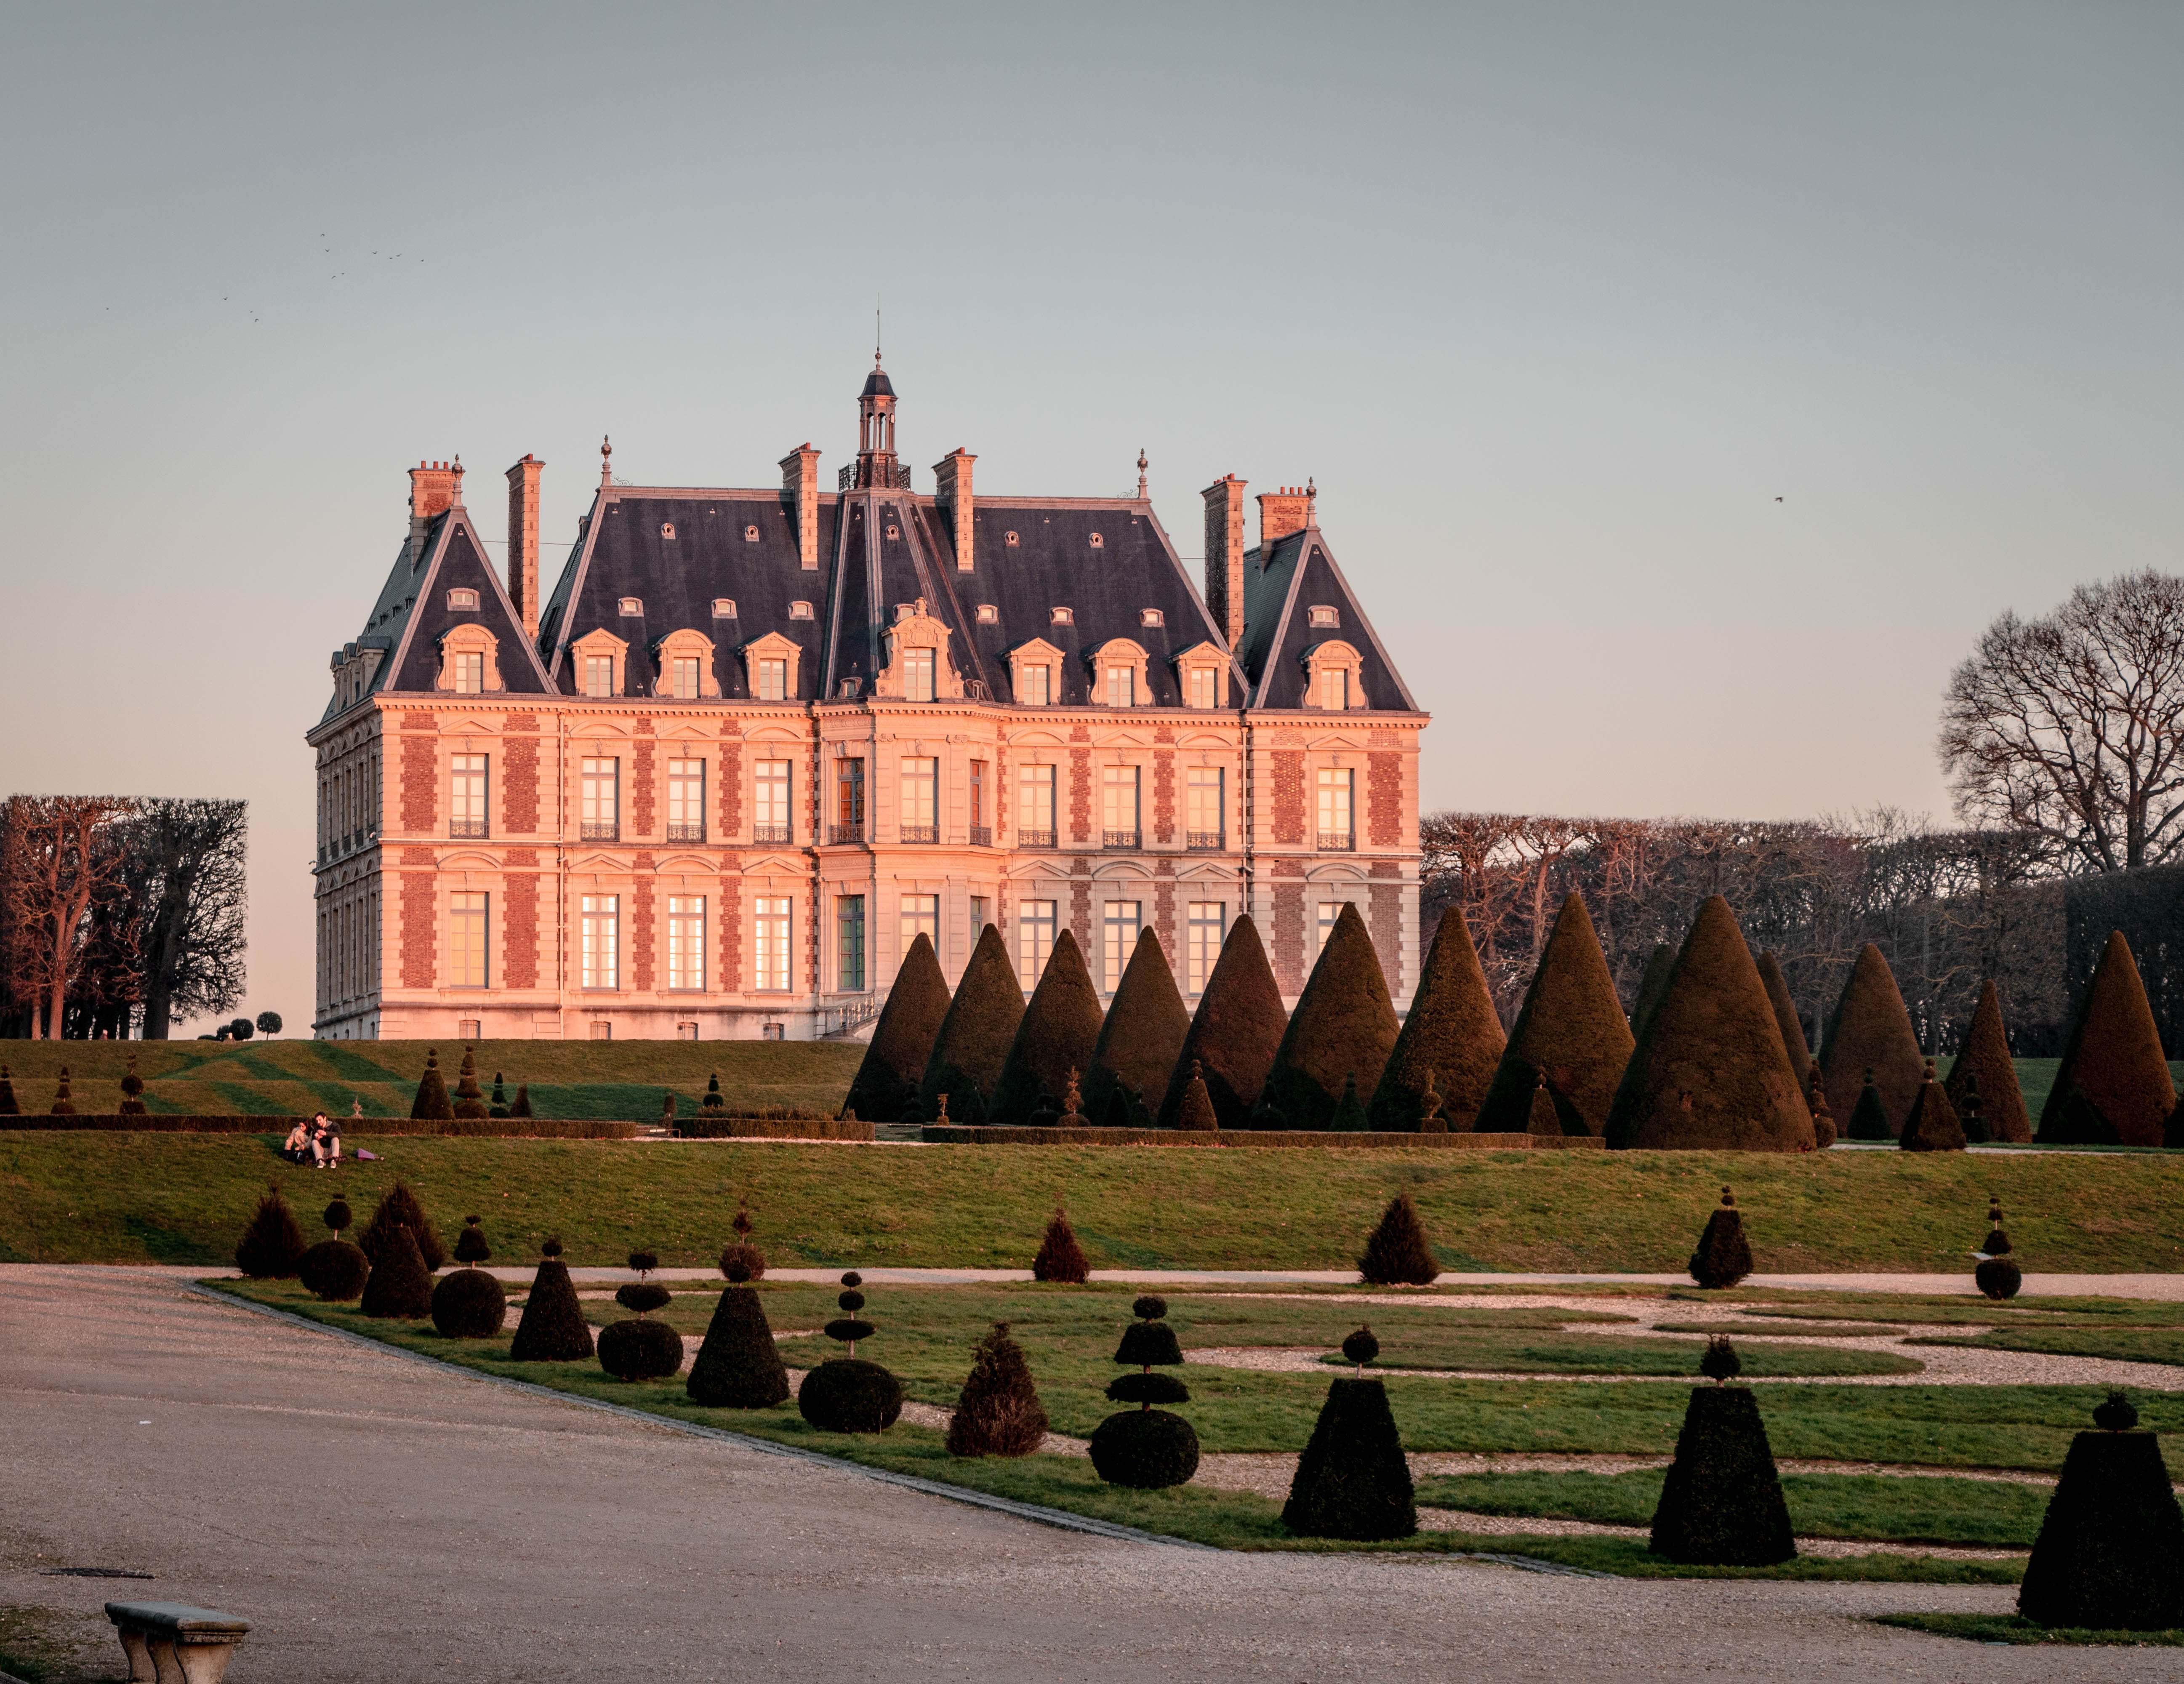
column 952, row 489
column 799, row 484
column 434, row 487
column 1224, row 555
column 523, row 541
column 1281, row 512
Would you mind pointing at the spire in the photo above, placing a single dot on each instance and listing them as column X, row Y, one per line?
column 606, row 461
column 1141, row 473
column 876, row 463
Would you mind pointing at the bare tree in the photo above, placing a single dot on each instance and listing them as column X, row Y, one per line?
column 186, row 874
column 2072, row 727
column 59, row 863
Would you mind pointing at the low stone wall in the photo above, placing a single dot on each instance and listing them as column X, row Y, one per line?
column 704, row 1128
column 350, row 1127
column 960, row 1134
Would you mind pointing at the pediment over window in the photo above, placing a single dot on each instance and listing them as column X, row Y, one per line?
column 593, row 646
column 1118, row 674
column 469, row 659
column 1333, row 676
column 1202, row 667
column 759, row 671
column 916, row 628
column 684, row 645
column 1034, row 673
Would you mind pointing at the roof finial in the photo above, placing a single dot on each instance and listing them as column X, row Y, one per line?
column 1310, row 502
column 876, row 330
column 606, row 459
column 1141, row 473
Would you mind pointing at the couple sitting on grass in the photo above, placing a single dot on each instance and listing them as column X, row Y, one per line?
column 317, row 1143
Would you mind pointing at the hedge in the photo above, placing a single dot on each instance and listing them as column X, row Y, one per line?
column 365, row 1128
column 703, row 1128
column 957, row 1135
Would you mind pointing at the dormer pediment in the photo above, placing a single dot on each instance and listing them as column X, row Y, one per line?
column 918, row 667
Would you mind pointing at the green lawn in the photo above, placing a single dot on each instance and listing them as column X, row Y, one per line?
column 2123, row 1344
column 2010, row 1628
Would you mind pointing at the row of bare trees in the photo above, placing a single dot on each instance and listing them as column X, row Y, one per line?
column 119, row 915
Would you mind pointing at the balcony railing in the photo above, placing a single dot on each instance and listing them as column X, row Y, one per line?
column 686, row 832
column 1338, row 841
column 845, row 832
column 1118, row 838
column 472, row 828
column 982, row 836
column 769, row 833
column 598, row 830
column 1203, row 841
column 1035, row 838
column 920, row 832
column 892, row 476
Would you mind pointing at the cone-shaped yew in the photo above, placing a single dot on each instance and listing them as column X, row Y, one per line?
column 1933, row 1124
column 431, row 1100
column 1353, row 1481
column 398, row 1208
column 1785, row 1014
column 1060, row 1258
column 1142, row 1037
column 1195, row 1113
column 9, row 1105
column 739, row 1367
column 973, row 1040
column 1399, row 1254
column 1054, row 1038
column 1541, row 1117
column 1710, row 1072
column 2112, row 1057
column 1869, row 1118
column 1345, row 1026
column 902, row 1039
column 1451, row 1042
column 1652, row 984
column 1724, row 1255
column 1871, row 1028
column 1234, row 1034
column 998, row 1413
column 1983, row 1063
column 398, row 1286
column 1571, row 1030
column 2110, row 1553
column 469, row 1098
column 272, row 1245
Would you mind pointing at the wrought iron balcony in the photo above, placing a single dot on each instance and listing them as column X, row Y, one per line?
column 1118, row 838
column 1338, row 841
column 1035, row 838
column 982, row 836
column 598, row 830
column 845, row 832
column 920, row 832
column 770, row 833
column 1203, row 841
column 686, row 832
column 470, row 829
column 891, row 476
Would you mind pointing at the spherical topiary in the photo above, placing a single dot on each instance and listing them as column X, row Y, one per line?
column 552, row 1328
column 643, row 1263
column 272, row 1244
column 739, row 1366
column 398, row 1208
column 846, row 1394
column 468, row 1303
column 470, row 1244
column 2115, row 1413
column 1571, row 1038
column 333, row 1270
column 1999, row 1278
column 640, row 1297
column 1361, row 1348
column 1060, row 1256
column 1724, row 1255
column 339, row 1215
column 1353, row 1481
column 399, row 1287
column 132, row 1091
column 1399, row 1254
column 998, row 1412
column 1722, row 1503
column 740, row 1258
column 550, row 1246
column 1145, row 1449
column 1451, row 1042
column 1719, row 1361
column 640, row 1349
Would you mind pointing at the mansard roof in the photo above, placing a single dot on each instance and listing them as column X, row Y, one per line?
column 1280, row 591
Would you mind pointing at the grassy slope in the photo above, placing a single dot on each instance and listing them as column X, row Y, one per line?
column 115, row 1198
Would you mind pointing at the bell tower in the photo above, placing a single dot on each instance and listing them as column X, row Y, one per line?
column 876, row 459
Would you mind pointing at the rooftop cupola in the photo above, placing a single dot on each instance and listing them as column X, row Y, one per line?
column 876, row 463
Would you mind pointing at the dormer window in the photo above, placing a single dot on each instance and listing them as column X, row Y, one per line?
column 596, row 663
column 1120, row 666
column 1322, row 615
column 1151, row 616
column 1202, row 675
column 1098, row 542
column 470, row 663
column 724, row 607
column 989, row 615
column 470, row 671
column 1063, row 617
column 462, row 602
column 630, row 607
column 1034, row 673
column 770, row 667
column 685, row 659
column 799, row 610
column 751, row 534
column 1334, row 672
column 1010, row 539
column 667, row 529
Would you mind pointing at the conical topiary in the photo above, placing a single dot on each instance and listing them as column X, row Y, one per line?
column 1054, row 1038
column 638, row 1347
column 1451, row 1040
column 1541, row 1116
column 849, row 1394
column 1871, row 1029
column 398, row 1208
column 1711, row 1072
column 2110, row 1553
column 902, row 1039
column 9, row 1105
column 552, row 1328
column 1932, row 1125
column 1983, row 1062
column 432, row 1103
column 1721, row 1503
column 712, row 1105
column 133, row 1090
column 1869, row 1118
column 272, row 1243
column 1344, row 1028
column 1147, row 1449
column 1785, row 1014
column 998, row 1412
column 398, row 1288
column 1349, row 1117
column 468, row 1303
column 2112, row 1059
column 469, row 1100
column 1196, row 1113
column 741, row 1258
column 975, row 1036
column 498, row 1107
column 63, row 1100
column 522, row 1107
column 1398, row 1253
column 1141, row 1038
column 739, row 1366
column 1060, row 1256
column 1353, row 1481
column 1724, row 1255
column 1652, row 985
column 1570, row 1031
column 1234, row 1034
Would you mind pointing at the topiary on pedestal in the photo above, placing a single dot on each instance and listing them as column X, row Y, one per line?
column 1724, row 1255
column 739, row 1366
column 1344, row 1028
column 1871, row 1030
column 998, row 1412
column 1570, row 1033
column 272, row 1243
column 1932, row 1125
column 1997, row 1274
column 2112, row 1085
column 909, row 1022
column 1060, row 1256
column 1983, row 1065
column 638, row 1347
column 398, row 1207
column 1868, row 1116
column 2110, row 1553
column 468, row 1303
column 848, row 1394
column 1054, row 1038
column 522, row 1107
column 468, row 1102
column 742, row 1252
column 1147, row 1449
column 973, row 1040
column 1353, row 1481
column 10, row 1106
column 499, row 1105
column 1969, row 1109
column 1234, row 1034
column 552, row 1328
column 399, row 1287
column 432, row 1101
column 1141, row 1038
column 1349, row 1117
column 1452, row 1035
column 132, row 1091
column 1722, row 1503
column 334, row 1269
column 1398, row 1253
column 63, row 1102
column 712, row 1105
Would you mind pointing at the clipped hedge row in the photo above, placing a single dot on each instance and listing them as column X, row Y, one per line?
column 962, row 1136
column 703, row 1128
column 369, row 1128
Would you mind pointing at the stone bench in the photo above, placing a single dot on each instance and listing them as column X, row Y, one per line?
column 170, row 1643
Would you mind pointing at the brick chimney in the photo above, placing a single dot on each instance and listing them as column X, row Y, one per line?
column 952, row 489
column 1224, row 555
column 434, row 487
column 523, row 541
column 1281, row 512
column 799, row 483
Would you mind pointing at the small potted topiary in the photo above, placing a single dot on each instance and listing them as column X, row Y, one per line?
column 469, row 1100
column 1722, row 1503
column 468, row 1303
column 1060, row 1256
column 132, row 1091
column 399, row 1287
column 398, row 1207
column 63, row 1102
column 638, row 1348
column 498, row 1107
column 1353, row 1481
column 334, row 1269
column 9, row 1105
column 1724, row 1255
column 1997, row 1273
column 1399, row 1254
column 848, row 1394
column 2110, row 1553
column 552, row 1328
column 998, row 1412
column 272, row 1244
column 1145, row 1448
column 740, row 1253
column 739, row 1366
column 432, row 1103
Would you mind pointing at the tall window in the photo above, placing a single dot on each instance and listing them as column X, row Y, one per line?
column 921, row 916
column 466, row 938
column 466, row 796
column 773, row 680
column 686, row 941
column 1118, row 805
column 1122, row 687
column 470, row 671
column 917, row 674
column 599, row 675
column 1118, row 935
column 1334, row 687
column 1205, row 927
column 1035, row 685
column 982, row 914
column 601, row 941
column 770, row 815
column 921, row 788
column 1035, row 806
column 685, row 675
column 1205, row 805
column 770, row 918
column 982, row 834
column 1329, row 911
column 601, row 817
column 1335, row 830
column 850, row 800
column 686, row 800
column 850, row 943
column 1205, row 686
column 1035, row 939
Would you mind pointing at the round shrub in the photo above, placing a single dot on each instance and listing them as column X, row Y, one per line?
column 639, row 1297
column 741, row 1251
column 2115, row 1413
column 468, row 1304
column 846, row 1394
column 1145, row 1449
column 399, row 1287
column 1719, row 1361
column 739, row 1366
column 333, row 1270
column 1147, row 1388
column 339, row 1215
column 1361, row 1348
column 638, row 1349
column 1999, row 1277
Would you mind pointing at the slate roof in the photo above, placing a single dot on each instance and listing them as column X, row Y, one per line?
column 1279, row 596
